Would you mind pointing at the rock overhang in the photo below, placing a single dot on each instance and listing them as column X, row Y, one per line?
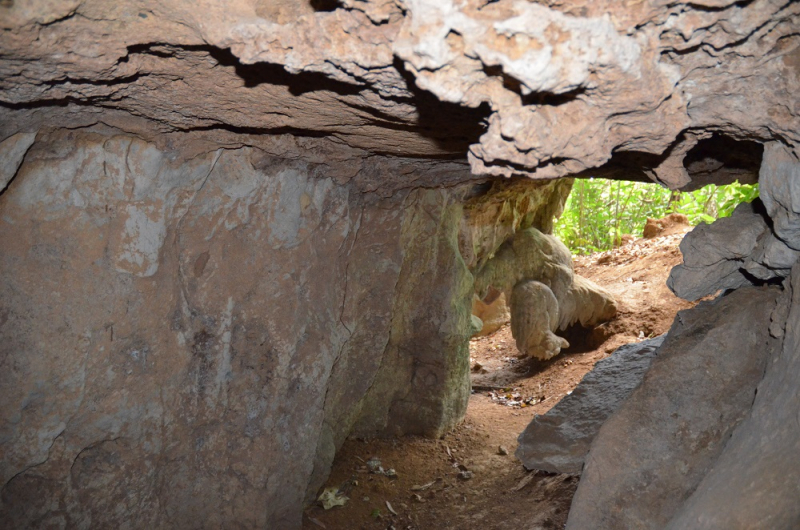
column 541, row 89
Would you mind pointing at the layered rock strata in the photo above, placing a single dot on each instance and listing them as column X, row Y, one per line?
column 548, row 89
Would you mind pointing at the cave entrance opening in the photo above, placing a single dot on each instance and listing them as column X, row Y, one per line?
column 471, row 474
column 624, row 236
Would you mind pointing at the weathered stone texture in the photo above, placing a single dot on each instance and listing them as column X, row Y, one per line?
column 558, row 441
column 759, row 242
column 534, row 318
column 652, row 454
column 180, row 337
column 710, row 438
column 561, row 87
column 759, row 468
column 12, row 151
column 534, row 271
column 184, row 280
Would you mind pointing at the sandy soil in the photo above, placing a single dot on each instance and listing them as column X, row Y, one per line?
column 464, row 480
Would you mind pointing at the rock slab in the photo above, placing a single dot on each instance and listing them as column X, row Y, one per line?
column 653, row 453
column 186, row 343
column 558, row 441
column 759, row 468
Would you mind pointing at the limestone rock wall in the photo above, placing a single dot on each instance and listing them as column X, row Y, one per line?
column 187, row 342
column 202, row 198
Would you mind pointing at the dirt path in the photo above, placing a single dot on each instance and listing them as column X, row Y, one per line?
column 463, row 481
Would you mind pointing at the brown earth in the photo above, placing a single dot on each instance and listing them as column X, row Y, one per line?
column 501, row 494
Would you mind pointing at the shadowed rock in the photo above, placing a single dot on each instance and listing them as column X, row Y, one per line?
column 668, row 435
column 558, row 441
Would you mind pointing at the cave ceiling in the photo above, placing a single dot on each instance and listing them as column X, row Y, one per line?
column 541, row 89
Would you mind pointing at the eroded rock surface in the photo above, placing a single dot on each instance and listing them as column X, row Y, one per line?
column 715, row 417
column 653, row 453
column 180, row 337
column 643, row 89
column 203, row 329
column 558, row 441
column 534, row 318
column 759, row 465
column 759, row 242
column 534, row 271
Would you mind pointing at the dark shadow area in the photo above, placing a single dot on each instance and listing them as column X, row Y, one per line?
column 715, row 9
column 322, row 6
column 252, row 74
column 521, row 170
column 722, row 160
column 582, row 339
column 56, row 102
column 452, row 127
column 717, row 160
column 625, row 165
column 478, row 190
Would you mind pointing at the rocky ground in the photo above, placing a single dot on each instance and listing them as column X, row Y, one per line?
column 470, row 478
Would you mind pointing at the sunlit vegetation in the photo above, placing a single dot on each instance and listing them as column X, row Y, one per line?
column 599, row 212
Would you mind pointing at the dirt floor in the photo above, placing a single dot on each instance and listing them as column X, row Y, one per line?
column 470, row 478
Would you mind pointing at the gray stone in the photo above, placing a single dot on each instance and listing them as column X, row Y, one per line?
column 188, row 342
column 779, row 181
column 215, row 333
column 558, row 441
column 534, row 318
column 714, row 255
column 534, row 271
column 527, row 255
column 755, row 483
column 271, row 204
column 772, row 258
column 586, row 303
column 667, row 436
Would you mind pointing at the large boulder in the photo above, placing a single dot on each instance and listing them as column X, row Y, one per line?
column 759, row 466
column 558, row 440
column 715, row 418
column 714, row 255
column 759, row 242
column 654, row 452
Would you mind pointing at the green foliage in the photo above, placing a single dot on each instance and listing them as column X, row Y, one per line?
column 599, row 212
